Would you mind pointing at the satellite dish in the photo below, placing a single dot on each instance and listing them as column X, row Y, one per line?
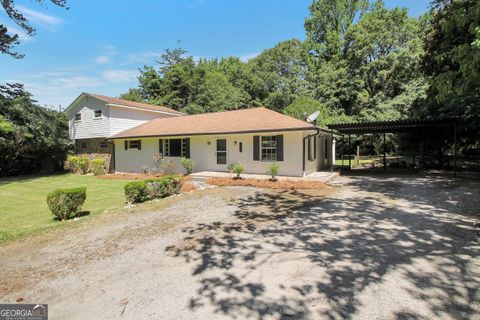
column 313, row 116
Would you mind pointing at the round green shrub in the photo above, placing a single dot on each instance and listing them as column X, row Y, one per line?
column 140, row 191
column 73, row 163
column 136, row 191
column 65, row 203
column 83, row 165
column 98, row 167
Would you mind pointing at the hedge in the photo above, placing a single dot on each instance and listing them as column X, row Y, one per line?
column 140, row 191
column 65, row 203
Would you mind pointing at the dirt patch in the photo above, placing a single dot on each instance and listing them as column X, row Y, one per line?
column 187, row 186
column 267, row 184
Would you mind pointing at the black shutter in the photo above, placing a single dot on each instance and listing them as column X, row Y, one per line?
column 187, row 148
column 279, row 140
column 126, row 144
column 309, row 146
column 160, row 147
column 315, row 147
column 256, row 148
column 139, row 144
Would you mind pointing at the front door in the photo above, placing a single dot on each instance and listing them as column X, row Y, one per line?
column 221, row 151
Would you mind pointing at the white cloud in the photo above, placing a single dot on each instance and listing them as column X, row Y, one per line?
column 103, row 59
column 39, row 17
column 119, row 76
column 142, row 57
column 249, row 56
column 195, row 3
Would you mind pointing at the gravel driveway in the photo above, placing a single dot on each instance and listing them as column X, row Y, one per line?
column 375, row 248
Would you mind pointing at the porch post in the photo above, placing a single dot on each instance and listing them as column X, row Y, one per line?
column 455, row 150
column 332, row 151
column 349, row 151
column 384, row 153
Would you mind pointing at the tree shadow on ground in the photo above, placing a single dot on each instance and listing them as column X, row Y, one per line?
column 352, row 241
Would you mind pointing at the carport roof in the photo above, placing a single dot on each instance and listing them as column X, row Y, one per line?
column 389, row 126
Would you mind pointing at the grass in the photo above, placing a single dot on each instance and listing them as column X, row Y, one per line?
column 267, row 184
column 23, row 206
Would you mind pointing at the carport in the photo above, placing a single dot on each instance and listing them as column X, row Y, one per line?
column 383, row 127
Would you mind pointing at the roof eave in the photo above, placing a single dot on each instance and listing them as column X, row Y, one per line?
column 213, row 133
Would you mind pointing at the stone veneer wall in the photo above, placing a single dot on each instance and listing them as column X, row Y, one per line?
column 93, row 149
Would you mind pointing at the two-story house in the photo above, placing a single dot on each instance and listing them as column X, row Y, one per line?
column 94, row 118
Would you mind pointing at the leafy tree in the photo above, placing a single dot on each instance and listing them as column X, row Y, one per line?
column 282, row 71
column 133, row 94
column 32, row 139
column 452, row 61
column 7, row 41
column 328, row 23
column 302, row 107
column 216, row 93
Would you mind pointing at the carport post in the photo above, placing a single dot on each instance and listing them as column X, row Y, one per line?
column 349, row 156
column 384, row 153
column 454, row 150
column 332, row 151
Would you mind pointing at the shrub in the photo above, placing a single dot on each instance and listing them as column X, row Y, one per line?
column 98, row 167
column 140, row 191
column 273, row 171
column 238, row 169
column 73, row 163
column 163, row 165
column 187, row 163
column 83, row 164
column 136, row 191
column 65, row 203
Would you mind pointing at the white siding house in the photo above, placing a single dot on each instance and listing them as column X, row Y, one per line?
column 94, row 118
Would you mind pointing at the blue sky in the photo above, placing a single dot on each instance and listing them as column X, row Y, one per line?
column 98, row 46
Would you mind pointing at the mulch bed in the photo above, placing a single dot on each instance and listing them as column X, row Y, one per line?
column 129, row 176
column 267, row 184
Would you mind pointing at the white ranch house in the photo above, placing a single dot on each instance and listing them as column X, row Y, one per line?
column 130, row 134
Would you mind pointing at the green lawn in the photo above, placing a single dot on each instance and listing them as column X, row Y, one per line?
column 23, row 206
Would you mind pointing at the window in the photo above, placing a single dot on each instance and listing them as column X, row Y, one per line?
column 103, row 144
column 176, row 148
column 240, row 147
column 98, row 113
column 269, row 148
column 133, row 144
column 78, row 116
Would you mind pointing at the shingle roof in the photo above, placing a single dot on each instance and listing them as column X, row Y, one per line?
column 133, row 104
column 238, row 121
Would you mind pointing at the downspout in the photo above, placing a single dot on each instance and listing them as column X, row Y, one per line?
column 305, row 139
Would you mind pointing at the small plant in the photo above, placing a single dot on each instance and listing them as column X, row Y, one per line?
column 65, row 203
column 238, row 169
column 187, row 163
column 145, row 169
column 98, row 167
column 73, row 163
column 83, row 164
column 273, row 171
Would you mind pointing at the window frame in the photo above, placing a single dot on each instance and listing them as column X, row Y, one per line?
column 79, row 114
column 268, row 153
column 137, row 147
column 167, row 148
column 95, row 114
